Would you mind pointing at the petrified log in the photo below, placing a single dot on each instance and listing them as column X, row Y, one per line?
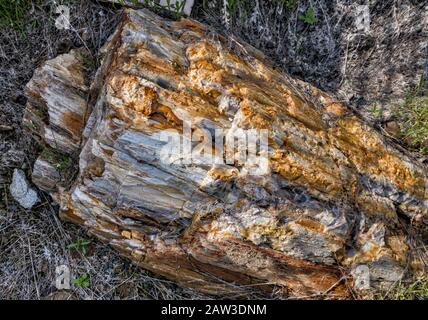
column 335, row 198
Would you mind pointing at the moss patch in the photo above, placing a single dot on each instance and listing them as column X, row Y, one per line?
column 62, row 162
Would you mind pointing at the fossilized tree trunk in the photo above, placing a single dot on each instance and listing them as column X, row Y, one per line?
column 336, row 196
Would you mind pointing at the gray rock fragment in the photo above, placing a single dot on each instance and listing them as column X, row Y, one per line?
column 362, row 277
column 21, row 191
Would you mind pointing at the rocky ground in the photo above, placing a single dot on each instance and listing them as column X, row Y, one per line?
column 369, row 70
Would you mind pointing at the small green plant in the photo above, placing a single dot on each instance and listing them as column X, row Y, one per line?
column 309, row 17
column 231, row 6
column 31, row 125
column 82, row 281
column 375, row 110
column 88, row 62
column 417, row 290
column 176, row 7
column 12, row 13
column 80, row 245
column 412, row 116
column 16, row 14
column 290, row 4
column 62, row 162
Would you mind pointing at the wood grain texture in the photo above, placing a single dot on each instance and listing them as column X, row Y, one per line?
column 335, row 196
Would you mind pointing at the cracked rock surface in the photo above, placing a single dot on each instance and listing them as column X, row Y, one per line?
column 337, row 195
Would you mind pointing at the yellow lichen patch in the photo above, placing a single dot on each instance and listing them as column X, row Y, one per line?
column 146, row 61
column 253, row 118
column 201, row 50
column 404, row 177
column 169, row 115
column 331, row 105
column 312, row 225
column 223, row 173
column 135, row 96
column 311, row 174
column 399, row 247
column 127, row 234
column 193, row 105
column 273, row 101
column 233, row 64
column 301, row 111
column 368, row 153
column 375, row 206
column 374, row 253
column 336, row 109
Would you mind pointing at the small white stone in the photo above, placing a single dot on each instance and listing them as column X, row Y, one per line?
column 21, row 192
column 361, row 277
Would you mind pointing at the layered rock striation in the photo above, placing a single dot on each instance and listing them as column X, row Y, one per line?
column 306, row 194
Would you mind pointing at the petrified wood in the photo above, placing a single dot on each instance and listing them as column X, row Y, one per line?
column 336, row 195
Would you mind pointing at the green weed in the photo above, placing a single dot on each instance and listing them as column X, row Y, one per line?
column 309, row 17
column 82, row 281
column 62, row 162
column 417, row 290
column 80, row 245
column 13, row 12
column 412, row 116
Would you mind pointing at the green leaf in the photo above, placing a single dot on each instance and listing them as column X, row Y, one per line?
column 309, row 17
column 80, row 245
column 82, row 281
